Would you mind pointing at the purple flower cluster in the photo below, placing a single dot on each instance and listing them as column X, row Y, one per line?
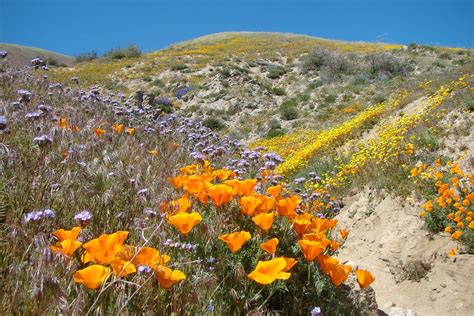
column 181, row 92
column 3, row 53
column 83, row 218
column 36, row 216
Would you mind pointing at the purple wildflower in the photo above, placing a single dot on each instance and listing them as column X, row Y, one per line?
column 43, row 140
column 316, row 312
column 83, row 218
column 3, row 53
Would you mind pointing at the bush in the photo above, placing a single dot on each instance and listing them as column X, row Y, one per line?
column 213, row 123
column 274, row 124
column 87, row 56
column 445, row 55
column 131, row 51
column 278, row 91
column 275, row 132
column 178, row 67
column 158, row 83
column 50, row 61
column 315, row 59
column 275, row 72
column 288, row 110
column 386, row 64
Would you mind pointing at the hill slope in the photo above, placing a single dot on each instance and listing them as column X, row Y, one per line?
column 19, row 55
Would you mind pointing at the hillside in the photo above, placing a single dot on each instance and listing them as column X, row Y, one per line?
column 22, row 55
column 241, row 173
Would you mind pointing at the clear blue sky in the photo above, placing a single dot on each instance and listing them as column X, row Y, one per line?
column 72, row 27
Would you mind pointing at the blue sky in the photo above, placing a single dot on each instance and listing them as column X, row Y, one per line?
column 72, row 27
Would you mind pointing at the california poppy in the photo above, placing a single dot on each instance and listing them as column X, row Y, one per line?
column 311, row 249
column 223, row 174
column 344, row 233
column 167, row 277
column 62, row 123
column 268, row 271
column 290, row 262
column 104, row 249
column 99, row 132
column 130, row 131
column 122, row 267
column 62, row 234
column 339, row 274
column 150, row 257
column 301, row 225
column 66, row 247
column 275, row 190
column 220, row 194
column 154, row 152
column 365, row 278
column 287, row 207
column 118, row 128
column 235, row 241
column 92, row 276
column 185, row 222
column 270, row 245
column 249, row 204
column 264, row 220
column 181, row 205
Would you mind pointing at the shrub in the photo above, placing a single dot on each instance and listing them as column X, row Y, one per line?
column 87, row 56
column 278, row 91
column 314, row 60
column 147, row 79
column 275, row 72
column 213, row 123
column 445, row 55
column 274, row 124
column 288, row 110
column 386, row 64
column 158, row 83
column 131, row 51
column 178, row 67
column 275, row 132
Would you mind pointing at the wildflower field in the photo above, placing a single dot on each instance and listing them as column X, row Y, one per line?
column 108, row 208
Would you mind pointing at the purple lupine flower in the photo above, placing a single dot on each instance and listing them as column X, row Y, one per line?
column 143, row 269
column 25, row 95
column 83, row 218
column 167, row 242
column 43, row 140
column 182, row 91
column 299, row 180
column 316, row 312
column 47, row 213
column 198, row 156
column 32, row 216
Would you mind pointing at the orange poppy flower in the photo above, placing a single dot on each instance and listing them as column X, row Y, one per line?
column 75, row 128
column 66, row 247
column 122, row 268
column 290, row 262
column 268, row 203
column 189, row 169
column 194, row 184
column 365, row 278
column 181, row 205
column 334, row 245
column 62, row 234
column 176, row 182
column 244, row 187
column 103, row 250
column 456, row 235
column 167, row 277
column 326, row 263
column 118, row 128
column 311, row 249
column 322, row 224
column 339, row 274
column 220, row 194
column 270, row 245
column 185, row 222
column 275, row 190
column 92, row 276
column 453, row 251
column 471, row 225
column 249, row 204
column 99, row 132
column 62, row 122
column 268, row 271
column 154, row 152
column 264, row 220
column 300, row 225
column 150, row 257
column 223, row 174
column 130, row 131
column 235, row 241
column 344, row 233
column 286, row 207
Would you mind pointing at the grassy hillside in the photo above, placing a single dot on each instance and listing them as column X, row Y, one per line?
column 21, row 55
column 219, row 177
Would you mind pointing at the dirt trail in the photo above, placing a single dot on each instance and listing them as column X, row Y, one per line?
column 386, row 237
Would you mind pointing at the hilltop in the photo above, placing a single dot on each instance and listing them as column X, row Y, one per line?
column 357, row 157
column 20, row 55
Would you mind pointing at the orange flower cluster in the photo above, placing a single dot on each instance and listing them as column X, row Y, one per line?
column 454, row 195
column 108, row 254
column 202, row 184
